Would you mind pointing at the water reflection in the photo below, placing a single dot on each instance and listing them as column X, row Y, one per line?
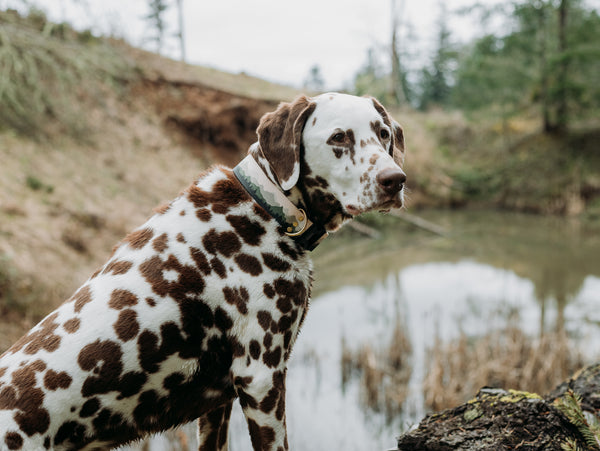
column 555, row 254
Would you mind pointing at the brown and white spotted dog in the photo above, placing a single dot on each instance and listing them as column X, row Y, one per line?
column 202, row 304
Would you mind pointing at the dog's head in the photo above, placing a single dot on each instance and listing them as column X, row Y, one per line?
column 342, row 153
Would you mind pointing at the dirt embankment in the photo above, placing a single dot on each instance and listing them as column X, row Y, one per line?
column 207, row 120
column 65, row 202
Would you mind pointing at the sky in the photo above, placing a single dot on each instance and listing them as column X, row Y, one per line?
column 278, row 40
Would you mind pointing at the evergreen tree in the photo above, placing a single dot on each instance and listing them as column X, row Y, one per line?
column 435, row 82
column 549, row 58
column 371, row 79
column 155, row 18
column 314, row 81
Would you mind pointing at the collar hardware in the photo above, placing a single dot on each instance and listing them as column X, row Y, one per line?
column 269, row 196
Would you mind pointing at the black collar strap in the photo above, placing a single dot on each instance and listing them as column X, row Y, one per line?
column 270, row 197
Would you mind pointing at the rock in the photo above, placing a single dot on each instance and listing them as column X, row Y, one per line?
column 496, row 419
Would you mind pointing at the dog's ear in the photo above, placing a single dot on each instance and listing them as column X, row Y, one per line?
column 396, row 149
column 280, row 139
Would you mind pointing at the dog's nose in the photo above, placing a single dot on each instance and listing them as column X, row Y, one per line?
column 391, row 180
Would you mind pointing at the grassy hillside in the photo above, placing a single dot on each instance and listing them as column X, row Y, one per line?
column 94, row 134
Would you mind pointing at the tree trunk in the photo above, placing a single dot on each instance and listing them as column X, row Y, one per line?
column 396, row 88
column 563, row 68
column 180, row 33
column 543, row 61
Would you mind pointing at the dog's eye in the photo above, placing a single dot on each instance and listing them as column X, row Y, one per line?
column 339, row 137
column 384, row 134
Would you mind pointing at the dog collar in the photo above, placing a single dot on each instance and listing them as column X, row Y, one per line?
column 270, row 197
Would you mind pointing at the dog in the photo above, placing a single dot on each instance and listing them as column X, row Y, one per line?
column 203, row 303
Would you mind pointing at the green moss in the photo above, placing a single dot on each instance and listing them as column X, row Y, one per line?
column 472, row 414
column 517, row 395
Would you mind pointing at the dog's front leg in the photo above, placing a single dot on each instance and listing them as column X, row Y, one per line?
column 213, row 429
column 262, row 396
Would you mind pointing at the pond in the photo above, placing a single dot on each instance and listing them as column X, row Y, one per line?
column 490, row 269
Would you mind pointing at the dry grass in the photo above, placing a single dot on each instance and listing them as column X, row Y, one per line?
column 383, row 372
column 55, row 238
column 48, row 69
column 156, row 67
column 506, row 358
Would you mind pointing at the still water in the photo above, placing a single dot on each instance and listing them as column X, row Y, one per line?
column 487, row 264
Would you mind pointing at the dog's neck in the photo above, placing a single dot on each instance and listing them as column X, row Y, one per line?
column 286, row 207
column 321, row 207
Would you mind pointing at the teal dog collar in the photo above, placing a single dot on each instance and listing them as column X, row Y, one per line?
column 270, row 197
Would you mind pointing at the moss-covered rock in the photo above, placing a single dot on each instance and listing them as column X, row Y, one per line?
column 495, row 419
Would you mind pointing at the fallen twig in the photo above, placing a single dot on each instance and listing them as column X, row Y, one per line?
column 420, row 222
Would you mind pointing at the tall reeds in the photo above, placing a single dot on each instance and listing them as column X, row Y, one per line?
column 505, row 358
column 384, row 372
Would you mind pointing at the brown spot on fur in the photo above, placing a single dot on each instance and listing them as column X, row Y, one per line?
column 53, row 380
column 225, row 194
column 159, row 244
column 151, row 302
column 203, row 214
column 284, row 304
column 117, row 267
column 268, row 340
column 214, row 428
column 201, row 261
column 261, row 437
column 238, row 297
column 189, row 279
column 72, row 325
column 127, row 326
column 264, row 319
column 218, row 267
column 120, row 299
column 162, row 209
column 139, row 238
column 318, row 181
column 89, row 408
column 272, row 358
column 254, row 349
column 288, row 250
column 81, row 297
column 180, row 238
column 268, row 290
column 270, row 401
column 103, row 360
column 226, row 243
column 248, row 264
column 73, row 433
column 237, row 348
column 222, row 319
column 13, row 440
column 275, row 263
column 43, row 337
column 250, row 231
column 24, row 397
column 345, row 147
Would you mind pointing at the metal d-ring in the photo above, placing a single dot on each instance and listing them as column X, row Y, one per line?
column 303, row 229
